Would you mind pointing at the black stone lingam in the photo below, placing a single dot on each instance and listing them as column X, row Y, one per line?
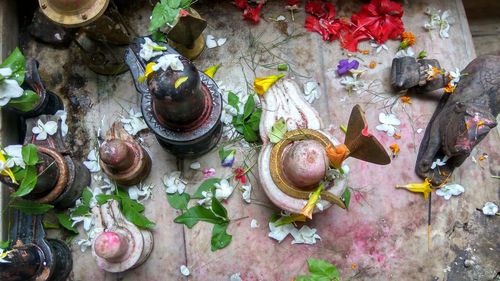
column 186, row 118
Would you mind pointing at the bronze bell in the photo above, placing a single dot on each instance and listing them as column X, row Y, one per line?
column 73, row 13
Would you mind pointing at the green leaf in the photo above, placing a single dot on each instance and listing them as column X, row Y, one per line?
column 87, row 197
column 278, row 131
column 26, row 102
column 282, row 67
column 159, row 36
column 66, row 222
column 218, row 209
column 137, row 218
column 178, row 201
column 128, row 203
column 249, row 134
column 4, row 244
column 174, row 3
column 49, row 225
column 346, row 197
column 223, row 154
column 198, row 213
column 28, row 183
column 220, row 238
column 289, row 219
column 104, row 198
column 322, row 268
column 185, row 4
column 207, row 185
column 249, row 107
column 233, row 100
column 30, row 154
column 80, row 211
column 162, row 15
column 422, row 55
column 254, row 120
column 17, row 63
column 19, row 173
column 31, row 207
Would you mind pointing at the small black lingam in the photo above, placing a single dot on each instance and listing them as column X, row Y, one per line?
column 182, row 107
column 464, row 115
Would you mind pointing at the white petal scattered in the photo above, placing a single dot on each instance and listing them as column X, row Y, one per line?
column 437, row 21
column 279, row 233
column 212, row 42
column 420, row 130
column 254, row 223
column 92, row 162
column 305, row 235
column 169, row 60
column 140, row 192
column 247, row 192
column 184, row 270
column 311, row 91
column 195, row 165
column 63, row 115
column 351, row 83
column 150, row 49
column 439, row 162
column 43, row 130
column 223, row 190
column 14, row 156
column 450, row 189
column 490, row 209
column 378, row 47
column 134, row 123
column 408, row 52
column 9, row 89
column 388, row 123
column 235, row 277
column 173, row 183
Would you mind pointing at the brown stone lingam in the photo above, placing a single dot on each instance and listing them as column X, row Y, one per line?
column 122, row 246
column 122, row 158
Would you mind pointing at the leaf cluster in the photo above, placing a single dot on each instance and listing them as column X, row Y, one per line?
column 320, row 270
column 247, row 123
column 165, row 12
column 28, row 176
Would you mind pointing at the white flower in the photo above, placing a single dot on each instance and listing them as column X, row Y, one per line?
column 455, row 77
column 15, row 156
column 450, row 189
column 490, row 209
column 305, row 235
column 150, row 49
column 207, row 200
column 140, row 192
column 223, row 190
column 184, row 270
column 169, row 60
column 134, row 123
column 63, row 115
column 420, row 130
column 279, row 233
column 235, row 277
column 173, row 183
column 3, row 255
column 254, row 223
column 387, row 123
column 439, row 163
column 311, row 91
column 247, row 192
column 92, row 162
column 408, row 52
column 351, row 83
column 88, row 221
column 84, row 244
column 378, row 47
column 42, row 130
column 9, row 88
column 212, row 42
column 226, row 117
column 436, row 21
column 195, row 165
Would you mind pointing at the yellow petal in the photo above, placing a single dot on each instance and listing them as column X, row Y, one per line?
column 149, row 70
column 6, row 171
column 424, row 188
column 262, row 84
column 212, row 70
column 179, row 81
column 308, row 209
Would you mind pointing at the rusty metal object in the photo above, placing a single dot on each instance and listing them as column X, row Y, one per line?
column 461, row 120
column 186, row 119
column 73, row 13
column 122, row 246
column 122, row 158
column 33, row 257
column 186, row 34
column 71, row 177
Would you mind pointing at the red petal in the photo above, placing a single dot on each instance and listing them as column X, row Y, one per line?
column 252, row 14
column 330, row 11
column 350, row 40
column 241, row 4
column 315, row 8
column 292, row 2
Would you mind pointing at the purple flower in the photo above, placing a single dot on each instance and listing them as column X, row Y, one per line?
column 228, row 159
column 344, row 66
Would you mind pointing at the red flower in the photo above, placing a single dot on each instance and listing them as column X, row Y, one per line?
column 252, row 14
column 320, row 10
column 241, row 4
column 292, row 2
column 239, row 175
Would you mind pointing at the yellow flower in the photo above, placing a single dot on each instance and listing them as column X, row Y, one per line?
column 395, row 149
column 424, row 188
column 449, row 88
column 311, row 203
column 211, row 70
column 406, row 99
column 5, row 171
column 262, row 84
column 149, row 71
column 432, row 72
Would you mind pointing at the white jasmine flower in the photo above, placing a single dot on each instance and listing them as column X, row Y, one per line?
column 9, row 88
column 150, row 49
column 3, row 255
column 195, row 165
column 134, row 123
column 6, row 71
column 450, row 189
column 439, row 163
column 279, row 233
column 63, row 115
column 184, row 270
column 173, row 183
column 92, row 162
column 311, row 91
column 15, row 156
column 305, row 235
column 408, row 52
column 378, row 47
column 169, row 60
column 235, row 277
column 420, row 130
column 212, row 42
column 441, row 22
column 42, row 130
column 223, row 190
column 84, row 244
column 88, row 221
column 254, row 223
column 387, row 123
column 247, row 191
column 140, row 192
column 207, row 200
column 226, row 117
column 455, row 77
column 490, row 209
column 351, row 83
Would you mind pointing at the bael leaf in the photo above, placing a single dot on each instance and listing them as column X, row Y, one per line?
column 17, row 63
column 28, row 183
column 254, row 120
column 220, row 238
column 162, row 15
column 207, row 185
column 65, row 221
column 249, row 134
column 346, row 197
column 31, row 207
column 30, row 154
column 198, row 213
column 28, row 101
column 178, row 201
column 218, row 209
column 87, row 197
column 104, row 198
column 80, row 211
column 322, row 268
column 278, row 131
column 233, row 100
column 174, row 3
column 137, row 218
column 249, row 107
